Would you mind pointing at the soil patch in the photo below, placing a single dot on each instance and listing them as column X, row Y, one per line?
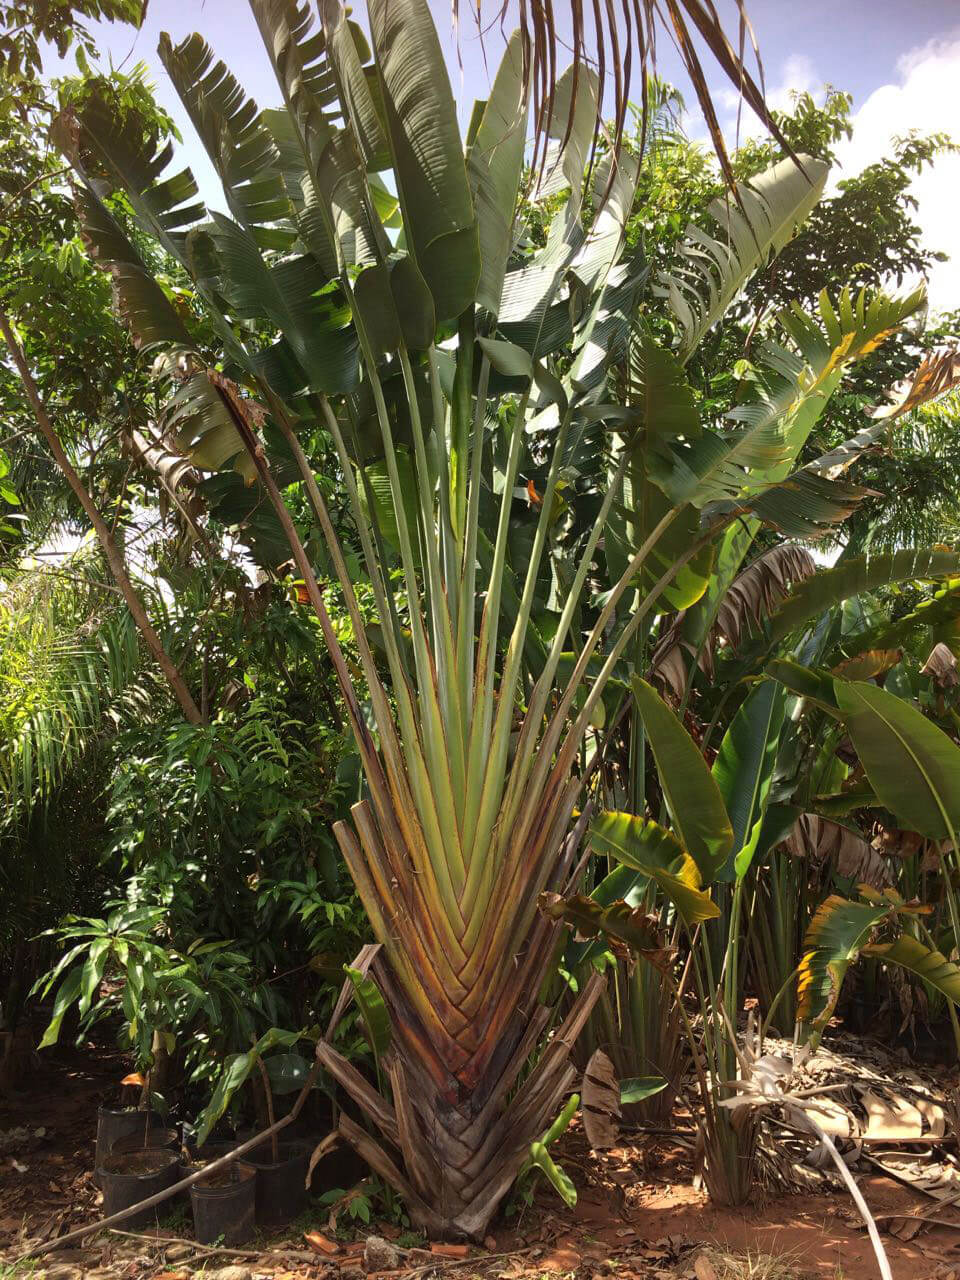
column 638, row 1213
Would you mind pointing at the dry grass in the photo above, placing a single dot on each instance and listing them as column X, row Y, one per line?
column 745, row 1266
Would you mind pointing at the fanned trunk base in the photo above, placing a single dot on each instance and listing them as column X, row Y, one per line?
column 453, row 1148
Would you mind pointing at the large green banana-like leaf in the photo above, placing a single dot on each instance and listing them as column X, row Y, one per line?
column 428, row 162
column 815, row 595
column 659, row 856
column 138, row 298
column 373, row 1011
column 757, row 223
column 314, row 321
column 494, row 166
column 930, row 965
column 807, row 505
column 658, row 391
column 759, row 451
column 693, row 797
column 322, row 166
column 806, row 682
column 744, row 767
column 240, row 508
column 530, row 312
column 939, row 613
column 834, row 937
column 571, row 131
column 240, row 147
column 913, row 766
column 349, row 51
column 380, row 492
column 662, row 410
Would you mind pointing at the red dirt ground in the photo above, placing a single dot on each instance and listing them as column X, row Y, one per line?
column 637, row 1213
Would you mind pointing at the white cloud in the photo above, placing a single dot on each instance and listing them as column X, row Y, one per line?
column 926, row 98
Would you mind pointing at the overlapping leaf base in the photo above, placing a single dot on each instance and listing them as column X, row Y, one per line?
column 460, row 1125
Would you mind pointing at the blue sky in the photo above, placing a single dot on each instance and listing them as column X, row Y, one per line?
column 901, row 62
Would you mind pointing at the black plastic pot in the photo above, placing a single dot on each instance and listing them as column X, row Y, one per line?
column 115, row 1123
column 155, row 1139
column 281, row 1193
column 131, row 1176
column 225, row 1210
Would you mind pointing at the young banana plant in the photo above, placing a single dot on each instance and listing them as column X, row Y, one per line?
column 436, row 343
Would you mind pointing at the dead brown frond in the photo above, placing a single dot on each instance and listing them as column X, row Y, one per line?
column 613, row 37
column 751, row 597
column 936, row 374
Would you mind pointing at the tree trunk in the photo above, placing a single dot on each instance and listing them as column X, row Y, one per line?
column 459, row 1124
column 110, row 549
column 466, row 1016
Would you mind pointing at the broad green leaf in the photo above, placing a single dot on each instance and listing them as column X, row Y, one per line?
column 93, row 972
column 636, row 1088
column 836, row 933
column 414, row 303
column 68, row 992
column 815, row 595
column 557, row 1177
column 374, row 302
column 571, row 127
column 660, row 394
column 656, row 853
column 236, row 1069
column 805, row 682
column 930, row 965
column 438, row 214
column 631, row 522
column 662, row 410
column 761, row 447
column 395, row 303
column 693, row 797
column 744, row 767
column 843, row 802
column 507, row 357
column 348, row 51
column 913, row 766
column 761, row 221
column 235, row 137
column 287, row 1071
column 494, row 166
column 373, row 1010
column 379, row 478
column 806, row 505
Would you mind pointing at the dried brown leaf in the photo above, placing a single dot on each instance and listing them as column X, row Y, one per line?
column 600, row 1101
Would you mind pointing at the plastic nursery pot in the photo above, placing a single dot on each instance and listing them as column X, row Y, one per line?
column 114, row 1123
column 155, row 1139
column 131, row 1176
column 225, row 1205
column 281, row 1193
